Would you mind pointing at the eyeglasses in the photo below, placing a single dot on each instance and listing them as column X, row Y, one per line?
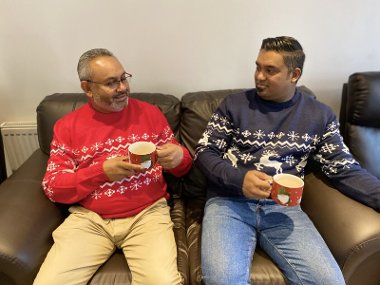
column 114, row 83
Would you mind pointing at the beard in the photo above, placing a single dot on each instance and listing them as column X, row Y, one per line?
column 116, row 103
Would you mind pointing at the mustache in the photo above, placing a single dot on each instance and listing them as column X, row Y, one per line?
column 126, row 93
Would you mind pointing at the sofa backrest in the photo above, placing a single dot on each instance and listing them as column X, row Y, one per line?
column 57, row 105
column 196, row 109
column 360, row 118
column 188, row 119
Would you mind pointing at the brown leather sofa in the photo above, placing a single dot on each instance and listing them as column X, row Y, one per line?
column 27, row 218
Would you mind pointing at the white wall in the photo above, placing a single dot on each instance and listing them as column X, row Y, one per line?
column 178, row 46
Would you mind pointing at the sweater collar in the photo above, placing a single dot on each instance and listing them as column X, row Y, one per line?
column 275, row 106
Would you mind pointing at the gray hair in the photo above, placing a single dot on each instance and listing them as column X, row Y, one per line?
column 83, row 68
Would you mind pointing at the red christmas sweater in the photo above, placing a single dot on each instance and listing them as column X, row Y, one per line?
column 85, row 138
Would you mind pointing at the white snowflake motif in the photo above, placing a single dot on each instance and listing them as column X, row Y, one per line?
column 259, row 134
column 133, row 138
column 246, row 133
column 215, row 117
column 280, row 135
column 96, row 146
column 62, row 147
column 328, row 148
column 119, row 139
column 121, row 190
column 109, row 142
column 167, row 132
column 333, row 170
column 246, row 157
column 306, row 137
column 84, row 149
column 223, row 120
column 154, row 137
column 136, row 186
column 331, row 126
column 147, row 181
column 156, row 177
column 271, row 135
column 96, row 195
column 289, row 159
column 109, row 192
column 221, row 144
column 145, row 136
column 52, row 166
column 315, row 139
column 293, row 135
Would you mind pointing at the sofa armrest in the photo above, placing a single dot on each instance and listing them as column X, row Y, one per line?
column 350, row 229
column 27, row 219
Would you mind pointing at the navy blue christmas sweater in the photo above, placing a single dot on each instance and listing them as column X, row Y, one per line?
column 248, row 133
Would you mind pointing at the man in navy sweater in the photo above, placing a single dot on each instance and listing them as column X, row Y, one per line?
column 253, row 135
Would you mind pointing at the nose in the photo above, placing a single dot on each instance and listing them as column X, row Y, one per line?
column 123, row 85
column 259, row 75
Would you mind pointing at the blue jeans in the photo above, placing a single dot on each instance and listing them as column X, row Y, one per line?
column 233, row 226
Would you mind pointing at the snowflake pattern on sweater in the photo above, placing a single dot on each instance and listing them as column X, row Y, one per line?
column 248, row 133
column 263, row 149
column 84, row 139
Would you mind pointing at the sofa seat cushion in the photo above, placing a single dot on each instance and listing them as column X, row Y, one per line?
column 114, row 272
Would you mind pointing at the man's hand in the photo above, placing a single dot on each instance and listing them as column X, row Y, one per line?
column 169, row 155
column 257, row 185
column 118, row 168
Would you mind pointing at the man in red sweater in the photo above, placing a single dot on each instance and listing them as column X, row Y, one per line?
column 116, row 204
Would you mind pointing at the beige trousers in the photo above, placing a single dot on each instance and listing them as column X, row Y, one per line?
column 84, row 241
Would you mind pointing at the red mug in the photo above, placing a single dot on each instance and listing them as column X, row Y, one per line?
column 143, row 153
column 287, row 189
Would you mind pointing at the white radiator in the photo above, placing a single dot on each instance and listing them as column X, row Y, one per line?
column 20, row 140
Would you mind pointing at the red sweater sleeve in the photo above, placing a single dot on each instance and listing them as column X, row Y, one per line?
column 64, row 181
column 185, row 164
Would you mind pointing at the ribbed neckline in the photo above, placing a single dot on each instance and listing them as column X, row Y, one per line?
column 274, row 106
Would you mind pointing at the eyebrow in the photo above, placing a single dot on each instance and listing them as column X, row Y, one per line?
column 266, row 66
column 116, row 78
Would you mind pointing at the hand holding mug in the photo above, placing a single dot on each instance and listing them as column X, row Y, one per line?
column 118, row 168
column 257, row 185
column 169, row 155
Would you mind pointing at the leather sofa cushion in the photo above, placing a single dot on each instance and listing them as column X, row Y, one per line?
column 197, row 109
column 364, row 99
column 362, row 121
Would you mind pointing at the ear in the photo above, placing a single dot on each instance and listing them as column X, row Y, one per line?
column 86, row 88
column 296, row 74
